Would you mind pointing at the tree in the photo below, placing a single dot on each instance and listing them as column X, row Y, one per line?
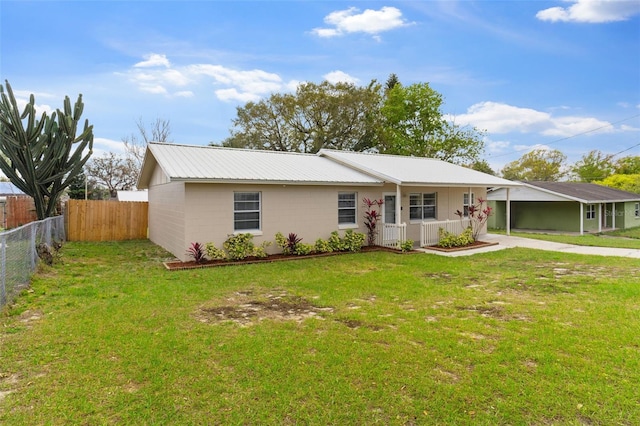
column 414, row 125
column 135, row 147
column 116, row 172
column 593, row 166
column 82, row 183
column 482, row 166
column 539, row 164
column 629, row 165
column 629, row 183
column 327, row 115
column 40, row 158
column 391, row 82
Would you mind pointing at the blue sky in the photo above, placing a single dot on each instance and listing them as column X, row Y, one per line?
column 558, row 74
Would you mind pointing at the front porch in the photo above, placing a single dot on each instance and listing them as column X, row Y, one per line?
column 393, row 235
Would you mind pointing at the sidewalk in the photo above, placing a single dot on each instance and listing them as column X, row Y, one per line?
column 510, row 241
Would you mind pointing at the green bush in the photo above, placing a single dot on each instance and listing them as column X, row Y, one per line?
column 322, row 246
column 353, row 241
column 302, row 249
column 214, row 252
column 406, row 245
column 448, row 240
column 335, row 242
column 240, row 246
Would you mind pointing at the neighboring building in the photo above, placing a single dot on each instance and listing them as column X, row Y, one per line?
column 16, row 207
column 565, row 207
column 138, row 196
column 205, row 194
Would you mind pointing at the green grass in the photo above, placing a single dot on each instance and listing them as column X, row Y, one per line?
column 509, row 337
column 626, row 238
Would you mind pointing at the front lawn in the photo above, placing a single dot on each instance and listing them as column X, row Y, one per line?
column 515, row 336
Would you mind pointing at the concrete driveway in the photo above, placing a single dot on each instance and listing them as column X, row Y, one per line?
column 511, row 241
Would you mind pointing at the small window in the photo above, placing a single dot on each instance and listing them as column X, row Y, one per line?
column 422, row 206
column 637, row 210
column 246, row 211
column 465, row 203
column 347, row 208
column 591, row 211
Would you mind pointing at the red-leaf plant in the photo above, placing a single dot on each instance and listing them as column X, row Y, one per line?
column 371, row 218
column 478, row 216
column 196, row 251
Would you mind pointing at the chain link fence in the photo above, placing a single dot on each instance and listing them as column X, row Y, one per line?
column 19, row 256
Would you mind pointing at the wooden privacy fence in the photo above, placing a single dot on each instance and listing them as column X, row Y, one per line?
column 16, row 210
column 93, row 220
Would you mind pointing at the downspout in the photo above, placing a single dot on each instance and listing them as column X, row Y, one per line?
column 581, row 219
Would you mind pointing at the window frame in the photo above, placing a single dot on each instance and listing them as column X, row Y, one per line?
column 423, row 207
column 590, row 212
column 465, row 203
column 637, row 210
column 257, row 230
column 348, row 225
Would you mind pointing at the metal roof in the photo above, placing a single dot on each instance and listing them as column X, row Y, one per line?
column 415, row 170
column 585, row 192
column 7, row 188
column 216, row 164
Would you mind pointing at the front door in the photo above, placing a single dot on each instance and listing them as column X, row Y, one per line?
column 389, row 233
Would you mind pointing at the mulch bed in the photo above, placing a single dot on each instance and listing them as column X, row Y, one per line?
column 473, row 245
column 177, row 265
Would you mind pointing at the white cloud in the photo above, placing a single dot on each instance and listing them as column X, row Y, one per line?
column 499, row 118
column 235, row 95
column 370, row 21
column 153, row 60
column 184, row 94
column 340, row 77
column 107, row 145
column 592, row 11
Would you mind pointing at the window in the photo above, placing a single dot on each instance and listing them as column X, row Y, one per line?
column 422, row 206
column 591, row 211
column 637, row 210
column 347, row 208
column 465, row 203
column 246, row 211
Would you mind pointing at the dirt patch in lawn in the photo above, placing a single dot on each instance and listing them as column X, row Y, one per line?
column 248, row 307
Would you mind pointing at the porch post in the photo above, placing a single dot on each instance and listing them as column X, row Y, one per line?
column 601, row 218
column 398, row 205
column 581, row 219
column 508, row 227
column 613, row 215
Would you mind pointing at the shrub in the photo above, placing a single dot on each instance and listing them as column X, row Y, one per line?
column 289, row 243
column 214, row 252
column 302, row 248
column 240, row 246
column 371, row 218
column 323, row 246
column 447, row 239
column 406, row 245
column 261, row 250
column 478, row 216
column 353, row 241
column 196, row 252
column 335, row 242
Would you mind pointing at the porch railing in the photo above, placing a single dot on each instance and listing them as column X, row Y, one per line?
column 429, row 230
column 392, row 234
